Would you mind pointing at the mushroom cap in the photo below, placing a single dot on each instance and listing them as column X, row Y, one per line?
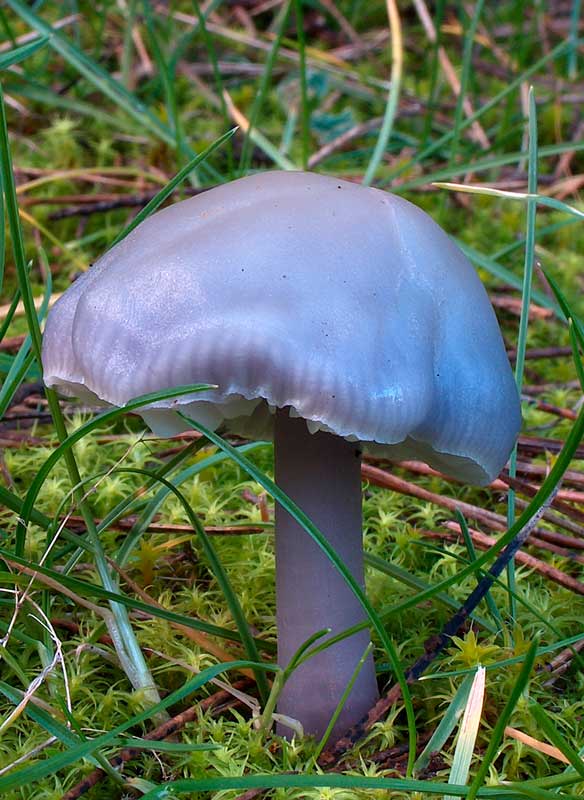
column 347, row 304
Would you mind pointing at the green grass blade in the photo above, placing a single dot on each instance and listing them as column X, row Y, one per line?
column 503, row 720
column 434, row 71
column 576, row 357
column 151, row 508
column 566, row 308
column 524, row 316
column 44, row 719
column 504, row 663
column 128, row 46
column 304, row 105
column 15, row 503
column 26, row 87
column 167, row 190
column 484, row 164
column 386, row 613
column 184, row 41
column 555, row 737
column 413, row 581
column 447, row 724
column 19, row 54
column 167, row 76
column 546, row 489
column 576, row 329
column 136, row 504
column 21, row 364
column 503, row 274
column 469, row 40
column 101, row 79
column 5, row 324
column 494, row 102
column 97, row 76
column 394, row 94
column 219, row 86
column 54, row 728
column 16, row 232
column 469, row 728
column 162, row 746
column 492, row 606
column 297, row 514
column 25, row 357
column 341, row 704
column 91, row 590
column 329, row 780
column 262, row 90
column 573, row 52
column 524, row 197
column 543, row 230
column 127, row 647
column 67, row 443
column 49, row 766
column 210, row 553
column 221, row 577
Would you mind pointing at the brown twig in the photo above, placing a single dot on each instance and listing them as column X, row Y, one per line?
column 77, row 523
column 500, row 484
column 526, row 488
column 484, row 542
column 477, row 131
column 342, row 21
column 541, row 352
column 345, row 138
column 541, row 388
column 251, row 794
column 387, row 480
column 217, row 702
column 38, row 301
column 513, row 306
column 571, row 476
column 29, row 37
column 261, row 501
column 12, row 343
column 86, row 209
column 564, row 413
column 540, row 537
column 561, row 663
column 536, row 445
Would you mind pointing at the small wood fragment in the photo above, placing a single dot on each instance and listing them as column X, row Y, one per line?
column 536, row 744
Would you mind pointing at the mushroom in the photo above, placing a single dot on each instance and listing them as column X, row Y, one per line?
column 335, row 319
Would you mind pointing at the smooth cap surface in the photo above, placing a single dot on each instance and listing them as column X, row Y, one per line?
column 347, row 304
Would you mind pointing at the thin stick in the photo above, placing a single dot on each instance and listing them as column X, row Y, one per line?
column 543, row 568
column 217, row 702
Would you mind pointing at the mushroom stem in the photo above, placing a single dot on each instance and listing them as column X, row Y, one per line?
column 321, row 472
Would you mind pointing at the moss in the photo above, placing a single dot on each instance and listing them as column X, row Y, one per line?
column 171, row 567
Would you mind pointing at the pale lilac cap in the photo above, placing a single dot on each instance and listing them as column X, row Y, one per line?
column 347, row 304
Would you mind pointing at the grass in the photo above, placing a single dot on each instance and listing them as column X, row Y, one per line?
column 137, row 572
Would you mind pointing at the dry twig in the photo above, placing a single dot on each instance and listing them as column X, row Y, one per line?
column 218, row 702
